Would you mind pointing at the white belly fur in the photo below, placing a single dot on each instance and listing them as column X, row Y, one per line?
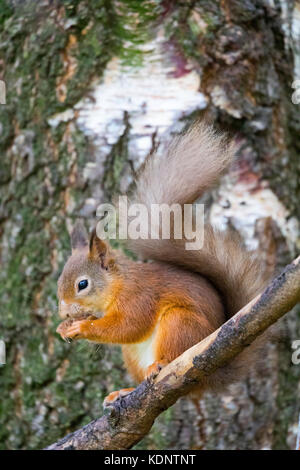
column 145, row 351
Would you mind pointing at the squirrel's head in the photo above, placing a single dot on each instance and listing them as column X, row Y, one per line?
column 86, row 275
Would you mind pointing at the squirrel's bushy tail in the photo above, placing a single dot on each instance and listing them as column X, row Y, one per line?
column 190, row 165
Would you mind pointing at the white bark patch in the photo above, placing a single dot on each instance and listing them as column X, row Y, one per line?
column 153, row 98
column 291, row 27
column 243, row 204
column 295, row 29
column 151, row 95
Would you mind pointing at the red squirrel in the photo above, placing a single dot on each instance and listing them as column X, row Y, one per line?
column 159, row 309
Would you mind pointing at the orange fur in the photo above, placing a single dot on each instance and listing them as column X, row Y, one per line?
column 113, row 396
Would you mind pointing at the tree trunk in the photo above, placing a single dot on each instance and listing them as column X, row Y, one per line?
column 92, row 87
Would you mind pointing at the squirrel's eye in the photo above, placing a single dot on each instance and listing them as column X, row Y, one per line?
column 83, row 284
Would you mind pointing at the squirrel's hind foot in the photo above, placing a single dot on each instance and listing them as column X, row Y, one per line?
column 154, row 369
column 114, row 396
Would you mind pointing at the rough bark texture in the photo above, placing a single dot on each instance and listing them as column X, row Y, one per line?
column 91, row 88
column 128, row 420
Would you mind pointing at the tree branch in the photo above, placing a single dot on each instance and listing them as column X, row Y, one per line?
column 130, row 419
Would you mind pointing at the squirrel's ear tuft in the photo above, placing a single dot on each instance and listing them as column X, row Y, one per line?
column 79, row 236
column 99, row 249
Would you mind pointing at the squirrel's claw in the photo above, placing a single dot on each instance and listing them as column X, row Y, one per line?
column 154, row 369
column 71, row 330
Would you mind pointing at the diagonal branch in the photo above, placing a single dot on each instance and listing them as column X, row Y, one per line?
column 130, row 419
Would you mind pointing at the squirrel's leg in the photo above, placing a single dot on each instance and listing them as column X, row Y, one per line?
column 112, row 328
column 179, row 329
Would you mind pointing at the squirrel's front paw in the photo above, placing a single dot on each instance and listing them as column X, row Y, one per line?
column 75, row 330
column 62, row 328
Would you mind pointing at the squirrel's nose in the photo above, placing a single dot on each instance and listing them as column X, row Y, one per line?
column 69, row 309
column 63, row 309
